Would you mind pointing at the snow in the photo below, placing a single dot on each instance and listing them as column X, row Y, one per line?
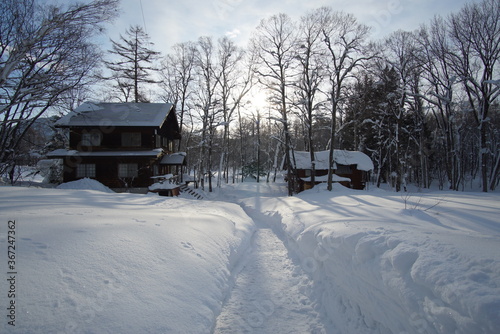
column 343, row 157
column 324, row 178
column 163, row 186
column 117, row 114
column 163, row 177
column 268, row 291
column 85, row 184
column 377, row 267
column 251, row 260
column 173, row 159
column 94, row 262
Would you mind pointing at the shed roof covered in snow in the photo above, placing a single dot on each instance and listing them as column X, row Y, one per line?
column 174, row 159
column 117, row 114
column 341, row 157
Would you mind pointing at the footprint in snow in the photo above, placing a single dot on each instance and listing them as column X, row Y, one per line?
column 188, row 246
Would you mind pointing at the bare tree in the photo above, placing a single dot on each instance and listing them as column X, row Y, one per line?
column 475, row 36
column 134, row 65
column 177, row 79
column 435, row 46
column 311, row 57
column 44, row 53
column 401, row 54
column 274, row 43
column 345, row 39
column 207, row 106
column 235, row 79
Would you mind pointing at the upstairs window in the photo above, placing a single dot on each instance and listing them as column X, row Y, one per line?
column 168, row 144
column 85, row 170
column 131, row 139
column 128, row 170
column 93, row 138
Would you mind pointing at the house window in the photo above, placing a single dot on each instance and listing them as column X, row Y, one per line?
column 168, row 144
column 131, row 139
column 128, row 170
column 85, row 170
column 343, row 169
column 91, row 138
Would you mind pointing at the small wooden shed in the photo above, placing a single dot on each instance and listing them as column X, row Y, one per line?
column 350, row 168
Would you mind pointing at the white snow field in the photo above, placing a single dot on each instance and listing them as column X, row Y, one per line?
column 96, row 262
column 346, row 261
column 379, row 265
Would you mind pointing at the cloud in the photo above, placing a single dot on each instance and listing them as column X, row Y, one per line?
column 171, row 22
column 233, row 33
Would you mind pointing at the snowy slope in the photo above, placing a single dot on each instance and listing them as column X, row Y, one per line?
column 376, row 262
column 96, row 262
column 378, row 266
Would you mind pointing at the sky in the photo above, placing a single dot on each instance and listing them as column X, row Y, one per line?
column 175, row 21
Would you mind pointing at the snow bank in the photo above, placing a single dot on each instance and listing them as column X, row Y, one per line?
column 93, row 262
column 378, row 267
column 85, row 184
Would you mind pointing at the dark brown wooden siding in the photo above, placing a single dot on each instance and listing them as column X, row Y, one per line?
column 112, row 138
column 107, row 170
column 358, row 177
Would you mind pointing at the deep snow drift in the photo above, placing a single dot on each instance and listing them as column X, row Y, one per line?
column 384, row 262
column 95, row 262
column 377, row 262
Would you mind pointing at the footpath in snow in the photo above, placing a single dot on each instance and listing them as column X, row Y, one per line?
column 270, row 293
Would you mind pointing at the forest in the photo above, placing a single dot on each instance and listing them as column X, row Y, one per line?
column 422, row 104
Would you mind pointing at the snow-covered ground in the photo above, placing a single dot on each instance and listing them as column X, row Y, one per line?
column 270, row 293
column 89, row 261
column 383, row 262
column 95, row 262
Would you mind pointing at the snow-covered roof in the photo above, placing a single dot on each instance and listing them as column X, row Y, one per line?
column 324, row 178
column 163, row 186
column 163, row 177
column 74, row 153
column 117, row 114
column 173, row 159
column 341, row 157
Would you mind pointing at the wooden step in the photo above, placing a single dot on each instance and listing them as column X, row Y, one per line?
column 185, row 189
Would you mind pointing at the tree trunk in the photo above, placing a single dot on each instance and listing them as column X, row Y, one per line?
column 332, row 147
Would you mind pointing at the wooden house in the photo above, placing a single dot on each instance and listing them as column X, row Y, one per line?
column 121, row 145
column 350, row 168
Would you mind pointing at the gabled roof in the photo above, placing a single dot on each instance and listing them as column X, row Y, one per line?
column 117, row 114
column 341, row 157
